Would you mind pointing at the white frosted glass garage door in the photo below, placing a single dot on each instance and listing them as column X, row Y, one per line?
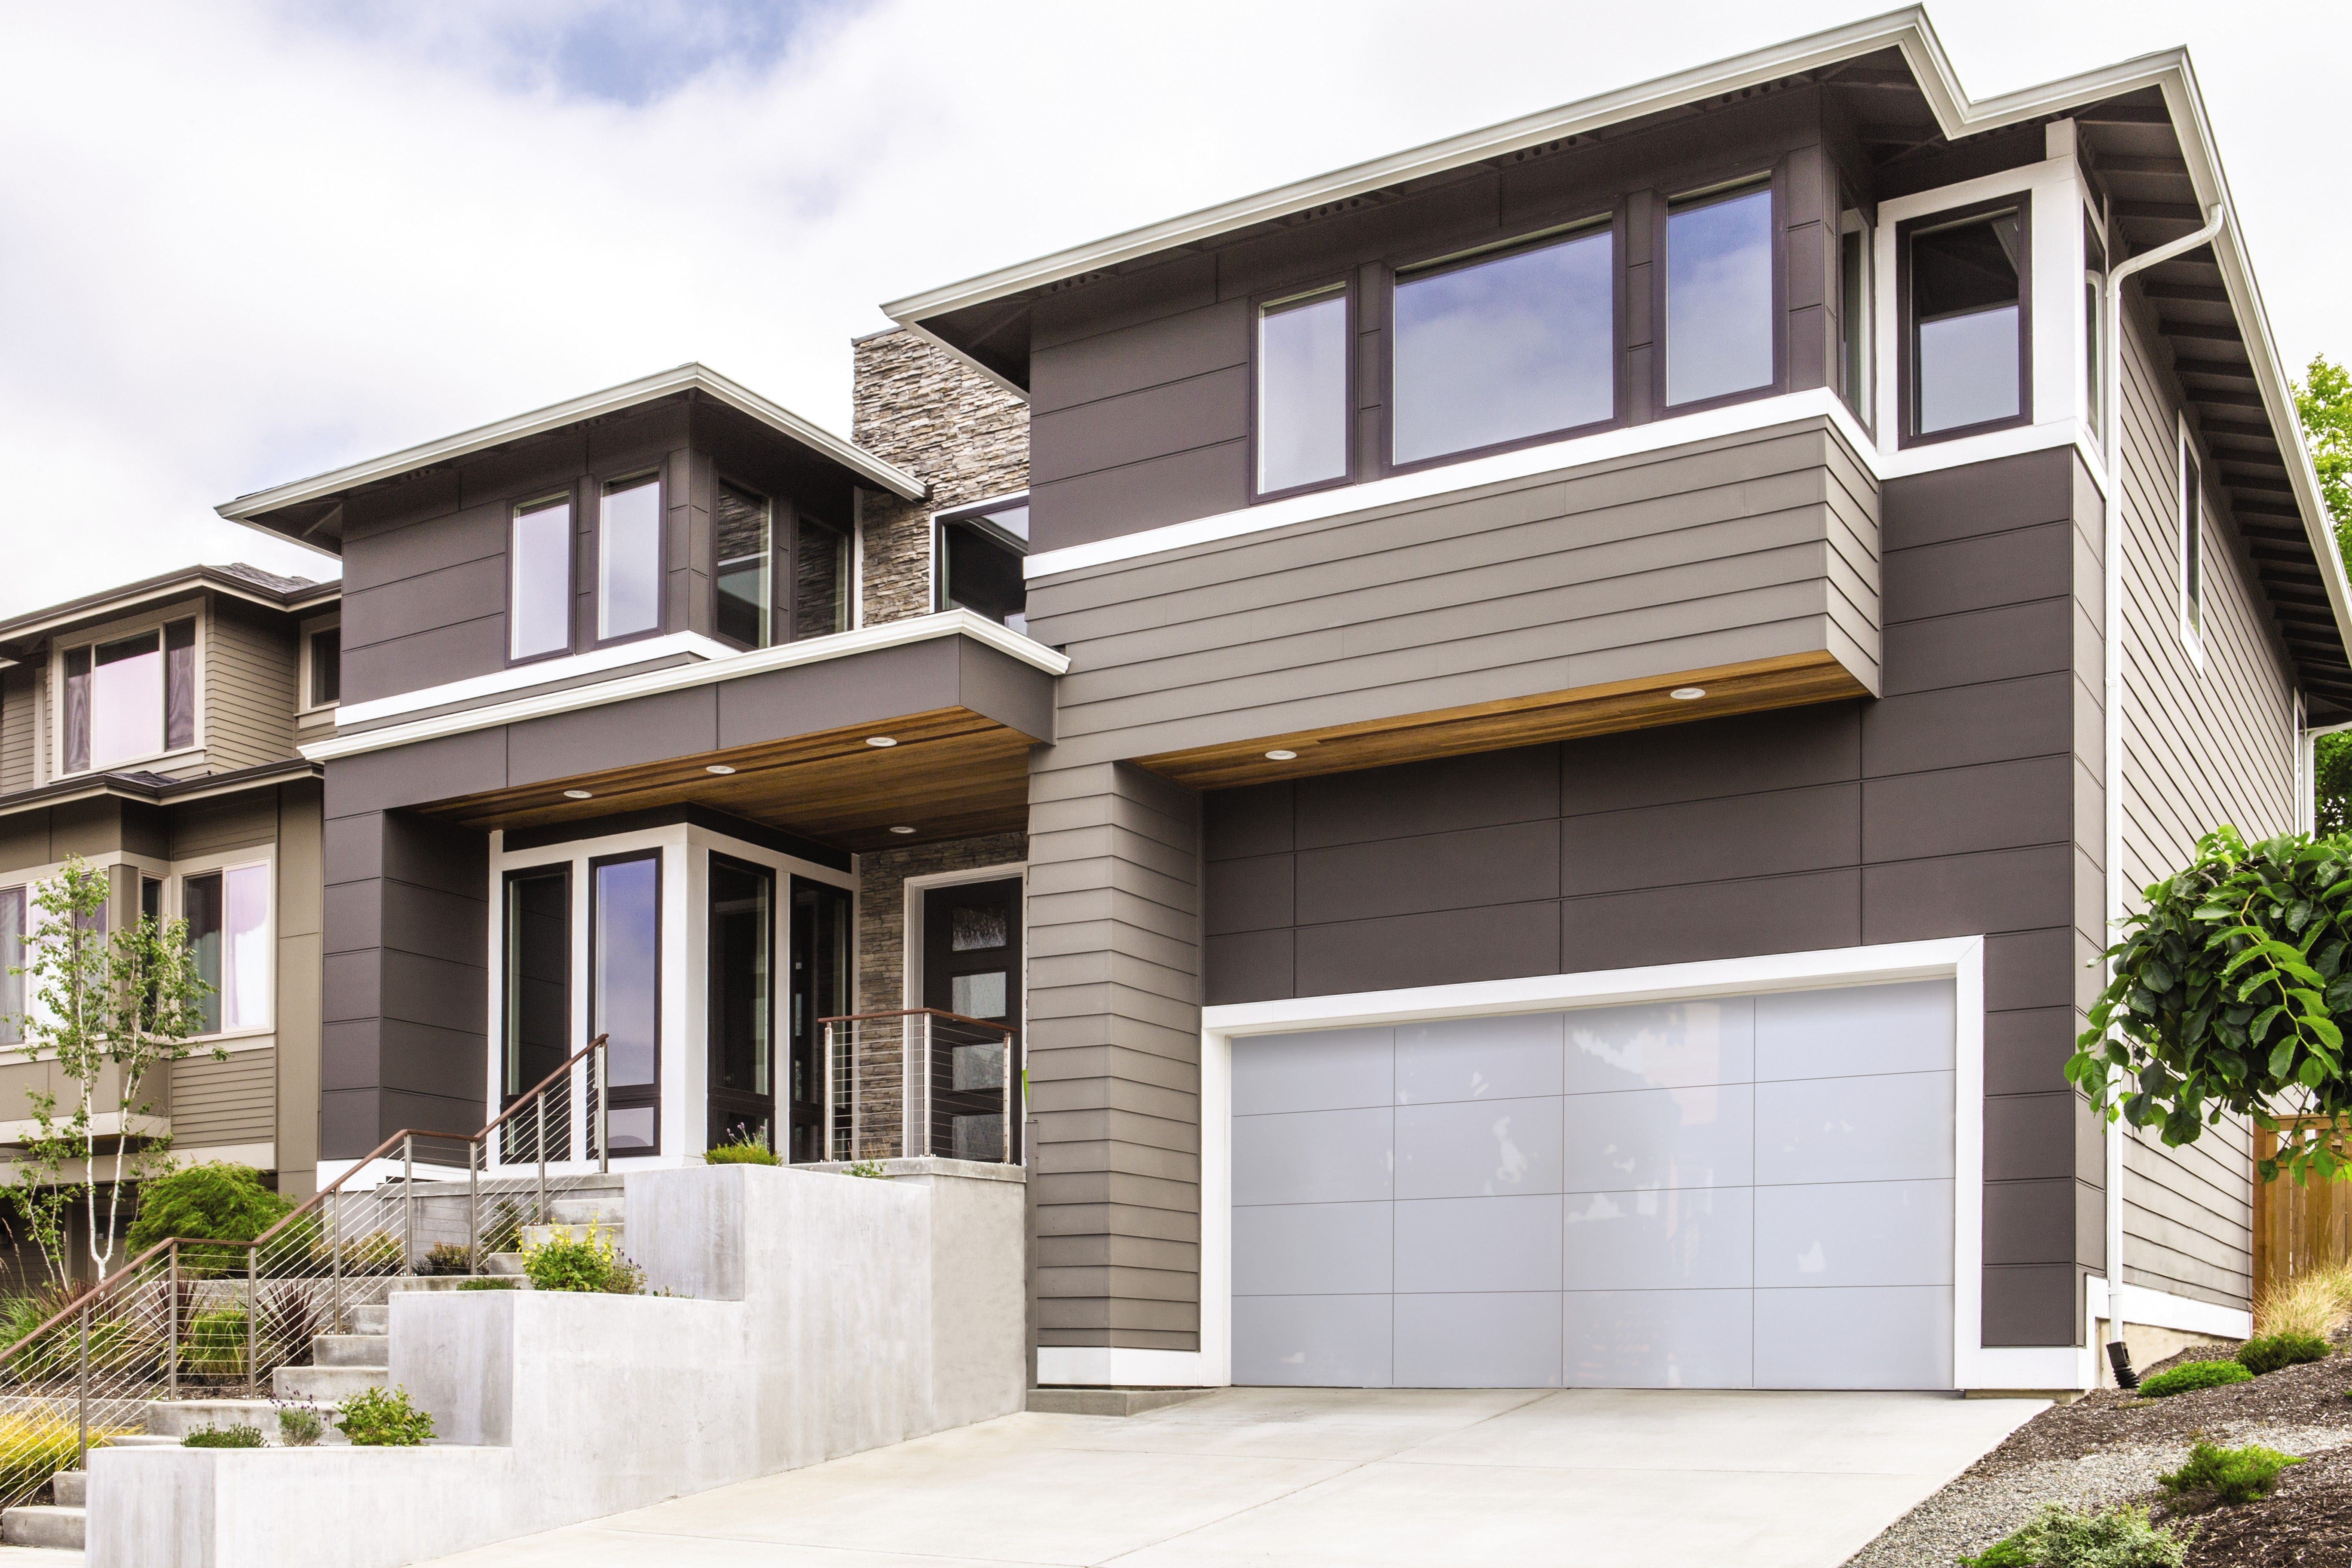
column 1741, row 1193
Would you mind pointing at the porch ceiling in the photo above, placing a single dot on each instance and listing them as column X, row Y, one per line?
column 954, row 774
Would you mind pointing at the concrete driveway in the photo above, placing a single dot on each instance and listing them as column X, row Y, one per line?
column 1353, row 1479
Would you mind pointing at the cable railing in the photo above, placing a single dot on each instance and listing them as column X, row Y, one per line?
column 196, row 1317
column 921, row 1083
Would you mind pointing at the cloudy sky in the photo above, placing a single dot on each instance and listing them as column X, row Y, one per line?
column 246, row 241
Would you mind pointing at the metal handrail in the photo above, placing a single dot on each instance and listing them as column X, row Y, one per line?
column 919, row 1013
column 930, row 1018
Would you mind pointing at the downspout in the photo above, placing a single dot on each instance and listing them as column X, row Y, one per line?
column 2111, row 552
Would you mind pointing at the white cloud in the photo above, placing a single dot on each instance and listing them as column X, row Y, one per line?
column 239, row 244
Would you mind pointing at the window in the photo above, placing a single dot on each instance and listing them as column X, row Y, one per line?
column 741, row 923
column 538, row 565
column 629, row 558
column 624, row 992
column 12, row 958
column 131, row 699
column 1302, row 391
column 1502, row 346
column 2094, row 291
column 1719, row 294
column 981, row 552
column 744, row 578
column 537, row 993
column 227, row 914
column 1856, row 302
column 2192, row 543
column 1967, row 328
column 820, row 579
column 326, row 655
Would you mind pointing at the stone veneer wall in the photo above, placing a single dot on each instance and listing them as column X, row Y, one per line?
column 915, row 404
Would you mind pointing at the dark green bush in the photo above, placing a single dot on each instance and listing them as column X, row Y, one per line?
column 448, row 1257
column 2192, row 1375
column 383, row 1418
column 2272, row 1351
column 223, row 1438
column 2066, row 1538
column 2231, row 1475
column 489, row 1282
column 746, row 1152
column 218, row 1202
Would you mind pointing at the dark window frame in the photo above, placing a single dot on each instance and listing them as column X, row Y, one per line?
column 963, row 515
column 536, row 500
column 1345, row 285
column 507, row 879
column 1611, row 216
column 779, row 611
column 1906, row 360
column 76, row 705
column 788, row 589
column 712, row 1093
column 1865, row 408
column 311, row 701
column 1729, row 183
column 633, row 1097
column 599, row 487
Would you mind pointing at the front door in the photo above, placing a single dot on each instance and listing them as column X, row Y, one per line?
column 972, row 967
column 742, row 1014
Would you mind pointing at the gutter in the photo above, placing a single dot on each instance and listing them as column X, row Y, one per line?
column 2111, row 551
column 172, row 792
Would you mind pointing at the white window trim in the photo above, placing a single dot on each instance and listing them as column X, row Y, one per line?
column 2188, row 515
column 910, row 930
column 303, row 633
column 30, row 878
column 175, row 907
column 1960, row 959
column 195, row 610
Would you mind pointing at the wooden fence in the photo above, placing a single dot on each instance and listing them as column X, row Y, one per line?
column 2298, row 1225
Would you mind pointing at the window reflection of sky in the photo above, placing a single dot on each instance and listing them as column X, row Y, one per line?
column 627, row 961
column 1720, row 297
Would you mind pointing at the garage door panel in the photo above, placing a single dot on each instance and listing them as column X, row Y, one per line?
column 1658, row 1339
column 1313, row 1342
column 1891, row 1128
column 1478, row 1244
column 1693, row 1239
column 1313, row 1250
column 1886, row 1337
column 1858, row 1030
column 1332, row 1069
column 1478, row 1058
column 1313, row 1157
column 1854, row 1234
column 1508, row 1339
column 1661, row 1045
column 1489, row 1148
column 1699, row 1137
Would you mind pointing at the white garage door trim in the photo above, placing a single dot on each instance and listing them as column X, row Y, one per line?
column 1960, row 959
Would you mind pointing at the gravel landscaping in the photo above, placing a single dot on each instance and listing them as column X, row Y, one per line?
column 2108, row 1448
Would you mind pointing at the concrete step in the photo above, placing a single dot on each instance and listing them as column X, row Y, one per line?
column 70, row 1489
column 326, row 1384
column 1108, row 1401
column 172, row 1419
column 34, row 1525
column 454, row 1281
column 377, row 1320
column 506, row 1263
column 604, row 1209
column 351, row 1350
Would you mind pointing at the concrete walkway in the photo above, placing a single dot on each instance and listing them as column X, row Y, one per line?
column 1343, row 1478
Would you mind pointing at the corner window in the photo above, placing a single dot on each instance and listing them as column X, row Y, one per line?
column 129, row 699
column 1719, row 294
column 1504, row 346
column 1965, row 322
column 539, row 579
column 12, row 959
column 1857, row 345
column 744, row 573
column 2192, row 543
column 227, row 914
column 1302, row 391
column 628, row 558
column 820, row 578
column 536, row 989
column 981, row 552
column 625, row 992
column 323, row 649
column 2095, row 292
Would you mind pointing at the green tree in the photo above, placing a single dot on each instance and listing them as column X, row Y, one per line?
column 107, row 1011
column 2323, row 404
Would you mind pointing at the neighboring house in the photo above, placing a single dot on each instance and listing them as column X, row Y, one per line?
column 152, row 730
column 1525, row 728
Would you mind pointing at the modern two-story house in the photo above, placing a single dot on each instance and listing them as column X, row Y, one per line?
column 152, row 730
column 1538, row 737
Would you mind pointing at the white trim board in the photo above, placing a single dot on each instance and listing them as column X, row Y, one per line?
column 2165, row 1309
column 521, row 675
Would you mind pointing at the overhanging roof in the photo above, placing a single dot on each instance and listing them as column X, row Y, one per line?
column 256, row 509
column 236, row 580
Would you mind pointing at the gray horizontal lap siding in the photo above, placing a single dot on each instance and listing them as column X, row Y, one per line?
column 19, row 699
column 251, row 668
column 232, row 1101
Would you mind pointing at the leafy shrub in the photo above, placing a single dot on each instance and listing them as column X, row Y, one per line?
column 378, row 1252
column 34, row 1447
column 291, row 1316
column 219, row 1201
column 489, row 1282
column 868, row 1168
column 21, row 1316
column 2231, row 1475
column 563, row 1262
column 504, row 1233
column 223, row 1438
column 2192, row 1375
column 2271, row 1351
column 2064, row 1538
column 383, row 1418
column 214, row 1344
column 298, row 1427
column 742, row 1151
column 448, row 1257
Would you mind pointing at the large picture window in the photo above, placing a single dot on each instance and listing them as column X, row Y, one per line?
column 629, row 558
column 1719, row 295
column 624, row 992
column 12, row 958
column 1965, row 322
column 131, row 699
column 538, row 577
column 227, row 914
column 1302, row 390
column 1504, row 346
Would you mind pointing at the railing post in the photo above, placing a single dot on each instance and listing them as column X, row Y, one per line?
column 335, row 1251
column 82, row 1394
column 172, row 1320
column 540, row 1112
column 252, row 1320
column 474, row 1205
column 1004, row 1133
column 832, row 1101
column 409, row 1202
column 604, row 1108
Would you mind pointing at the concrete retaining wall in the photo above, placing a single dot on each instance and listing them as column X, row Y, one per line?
column 813, row 1315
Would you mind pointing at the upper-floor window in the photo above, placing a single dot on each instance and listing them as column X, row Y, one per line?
column 11, row 961
column 322, row 666
column 628, row 558
column 1303, row 412
column 1856, row 342
column 820, row 577
column 539, row 579
column 980, row 554
column 227, row 914
column 1719, row 294
column 129, row 699
column 1504, row 346
column 745, row 573
column 1963, row 326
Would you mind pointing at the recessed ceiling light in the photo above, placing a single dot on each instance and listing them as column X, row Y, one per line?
column 881, row 740
column 1687, row 693
column 902, row 830
column 719, row 768
column 578, row 795
column 1278, row 756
